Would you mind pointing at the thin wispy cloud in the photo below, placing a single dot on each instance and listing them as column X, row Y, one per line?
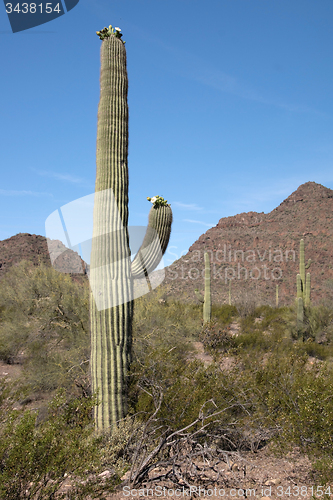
column 224, row 82
column 217, row 79
column 12, row 192
column 191, row 206
column 61, row 177
column 199, row 222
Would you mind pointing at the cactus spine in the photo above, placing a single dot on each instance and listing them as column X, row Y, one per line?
column 206, row 300
column 110, row 265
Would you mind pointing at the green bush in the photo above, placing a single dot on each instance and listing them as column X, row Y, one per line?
column 34, row 459
column 294, row 398
column 213, row 337
column 44, row 325
column 224, row 314
column 270, row 390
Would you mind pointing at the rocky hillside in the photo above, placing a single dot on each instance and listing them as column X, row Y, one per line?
column 34, row 248
column 253, row 251
column 257, row 251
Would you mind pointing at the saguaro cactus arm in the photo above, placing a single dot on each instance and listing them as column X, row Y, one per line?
column 156, row 238
column 199, row 296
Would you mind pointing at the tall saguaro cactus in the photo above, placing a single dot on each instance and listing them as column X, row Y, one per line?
column 303, row 287
column 303, row 282
column 111, row 276
column 277, row 296
column 206, row 300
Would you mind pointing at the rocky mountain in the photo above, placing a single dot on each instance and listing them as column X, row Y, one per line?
column 257, row 251
column 250, row 252
column 35, row 248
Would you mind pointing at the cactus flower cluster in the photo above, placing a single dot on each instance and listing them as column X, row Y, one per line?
column 158, row 201
column 107, row 32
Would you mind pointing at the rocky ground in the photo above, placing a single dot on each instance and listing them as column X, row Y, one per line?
column 257, row 474
column 252, row 474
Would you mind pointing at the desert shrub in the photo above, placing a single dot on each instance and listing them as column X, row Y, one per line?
column 185, row 385
column 45, row 324
column 154, row 312
column 224, row 314
column 118, row 443
column 214, row 337
column 34, row 459
column 319, row 321
column 293, row 398
column 246, row 304
column 252, row 342
column 162, row 336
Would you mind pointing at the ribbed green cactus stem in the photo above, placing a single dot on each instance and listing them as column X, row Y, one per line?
column 155, row 241
column 111, row 279
column 302, row 264
column 299, row 286
column 302, row 287
column 207, row 306
column 206, row 299
column 111, row 327
column 308, row 290
column 277, row 296
column 300, row 313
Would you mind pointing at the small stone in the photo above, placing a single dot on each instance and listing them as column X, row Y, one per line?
column 234, row 467
column 272, row 482
column 126, row 476
column 105, row 474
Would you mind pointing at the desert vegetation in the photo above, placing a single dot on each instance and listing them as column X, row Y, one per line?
column 276, row 391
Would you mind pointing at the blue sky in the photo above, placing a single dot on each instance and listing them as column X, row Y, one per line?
column 231, row 109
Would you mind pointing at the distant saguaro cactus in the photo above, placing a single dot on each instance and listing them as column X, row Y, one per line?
column 277, row 296
column 206, row 300
column 303, row 286
column 300, row 313
column 111, row 271
column 303, row 283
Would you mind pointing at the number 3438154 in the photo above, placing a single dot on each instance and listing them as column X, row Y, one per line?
column 32, row 8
